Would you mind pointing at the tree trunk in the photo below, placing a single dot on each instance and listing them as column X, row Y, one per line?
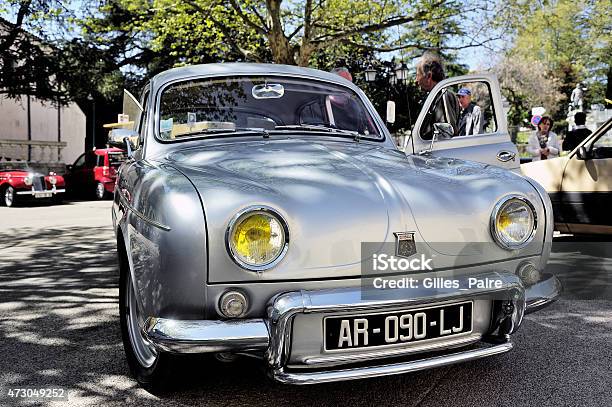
column 279, row 44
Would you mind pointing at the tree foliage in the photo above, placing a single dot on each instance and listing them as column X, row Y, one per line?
column 569, row 41
column 524, row 86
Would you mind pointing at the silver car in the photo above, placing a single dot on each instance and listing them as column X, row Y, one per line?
column 265, row 210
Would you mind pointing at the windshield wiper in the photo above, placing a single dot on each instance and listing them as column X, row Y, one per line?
column 263, row 132
column 319, row 128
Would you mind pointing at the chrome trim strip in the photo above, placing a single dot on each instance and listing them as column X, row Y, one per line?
column 407, row 349
column 280, row 375
column 47, row 191
column 542, row 293
column 203, row 336
column 142, row 216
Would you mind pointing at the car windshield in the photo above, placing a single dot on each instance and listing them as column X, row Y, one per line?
column 229, row 106
column 14, row 165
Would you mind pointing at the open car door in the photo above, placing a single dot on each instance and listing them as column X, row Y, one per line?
column 477, row 133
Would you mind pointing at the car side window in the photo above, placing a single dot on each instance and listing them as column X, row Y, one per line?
column 90, row 160
column 467, row 107
column 602, row 147
column 79, row 161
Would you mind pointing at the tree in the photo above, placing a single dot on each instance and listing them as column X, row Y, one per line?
column 524, row 88
column 571, row 40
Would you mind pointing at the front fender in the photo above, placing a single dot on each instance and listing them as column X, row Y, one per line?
column 160, row 217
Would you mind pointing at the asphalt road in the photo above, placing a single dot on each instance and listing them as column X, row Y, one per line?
column 59, row 327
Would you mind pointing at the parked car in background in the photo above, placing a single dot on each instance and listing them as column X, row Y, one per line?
column 580, row 184
column 19, row 182
column 241, row 213
column 94, row 172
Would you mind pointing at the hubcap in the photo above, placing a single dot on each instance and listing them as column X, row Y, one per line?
column 8, row 196
column 143, row 349
column 100, row 190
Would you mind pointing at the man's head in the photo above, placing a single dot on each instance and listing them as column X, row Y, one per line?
column 344, row 72
column 429, row 71
column 580, row 118
column 465, row 97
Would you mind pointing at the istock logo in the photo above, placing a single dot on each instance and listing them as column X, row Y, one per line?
column 384, row 262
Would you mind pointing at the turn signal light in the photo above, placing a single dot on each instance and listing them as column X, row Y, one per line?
column 233, row 304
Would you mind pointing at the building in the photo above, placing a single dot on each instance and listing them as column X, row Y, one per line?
column 41, row 132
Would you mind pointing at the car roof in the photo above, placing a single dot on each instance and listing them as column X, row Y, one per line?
column 245, row 68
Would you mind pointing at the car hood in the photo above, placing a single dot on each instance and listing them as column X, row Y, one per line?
column 336, row 195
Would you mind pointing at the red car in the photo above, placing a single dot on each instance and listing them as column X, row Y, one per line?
column 95, row 171
column 20, row 182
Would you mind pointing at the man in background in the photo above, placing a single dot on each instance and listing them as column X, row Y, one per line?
column 470, row 118
column 445, row 108
column 344, row 72
column 578, row 134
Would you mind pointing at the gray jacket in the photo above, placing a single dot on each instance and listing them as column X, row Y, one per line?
column 444, row 109
column 472, row 116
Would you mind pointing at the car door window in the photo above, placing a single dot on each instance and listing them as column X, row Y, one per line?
column 79, row 162
column 468, row 107
column 90, row 160
column 602, row 147
column 475, row 124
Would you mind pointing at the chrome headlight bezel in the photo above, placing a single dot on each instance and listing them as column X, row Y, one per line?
column 498, row 237
column 52, row 179
column 28, row 180
column 236, row 219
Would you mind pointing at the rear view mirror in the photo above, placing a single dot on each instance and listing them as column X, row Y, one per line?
column 443, row 131
column 582, row 153
column 390, row 112
column 126, row 139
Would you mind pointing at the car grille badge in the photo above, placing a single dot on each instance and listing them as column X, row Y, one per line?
column 404, row 244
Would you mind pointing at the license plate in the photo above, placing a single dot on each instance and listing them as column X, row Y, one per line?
column 43, row 195
column 391, row 328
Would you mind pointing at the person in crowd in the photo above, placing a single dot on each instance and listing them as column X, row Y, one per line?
column 344, row 72
column 543, row 143
column 578, row 134
column 445, row 108
column 470, row 118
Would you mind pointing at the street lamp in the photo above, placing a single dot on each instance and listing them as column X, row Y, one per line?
column 397, row 76
column 91, row 98
column 370, row 74
column 401, row 72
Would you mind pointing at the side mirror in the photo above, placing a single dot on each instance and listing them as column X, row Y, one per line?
column 443, row 130
column 390, row 111
column 123, row 138
column 582, row 153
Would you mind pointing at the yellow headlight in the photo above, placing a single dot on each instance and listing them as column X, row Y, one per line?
column 514, row 222
column 257, row 239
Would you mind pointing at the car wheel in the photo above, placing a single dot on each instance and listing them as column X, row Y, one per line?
column 149, row 366
column 8, row 196
column 101, row 191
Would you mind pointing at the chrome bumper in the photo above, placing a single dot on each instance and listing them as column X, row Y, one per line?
column 543, row 293
column 271, row 337
column 45, row 193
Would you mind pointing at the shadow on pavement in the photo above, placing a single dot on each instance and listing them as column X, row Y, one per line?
column 59, row 327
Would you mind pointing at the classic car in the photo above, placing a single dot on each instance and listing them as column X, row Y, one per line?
column 95, row 172
column 252, row 197
column 19, row 182
column 580, row 184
